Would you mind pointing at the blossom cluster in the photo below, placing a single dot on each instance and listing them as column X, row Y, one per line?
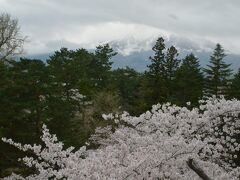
column 156, row 145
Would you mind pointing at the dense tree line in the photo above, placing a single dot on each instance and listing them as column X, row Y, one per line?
column 170, row 79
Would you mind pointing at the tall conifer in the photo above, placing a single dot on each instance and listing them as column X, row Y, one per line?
column 217, row 73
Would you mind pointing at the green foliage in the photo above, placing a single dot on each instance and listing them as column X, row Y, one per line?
column 217, row 74
column 156, row 68
column 102, row 65
column 81, row 71
column 22, row 95
column 69, row 69
column 74, row 88
column 189, row 81
column 234, row 91
column 23, row 85
column 33, row 93
column 171, row 66
column 126, row 83
column 158, row 85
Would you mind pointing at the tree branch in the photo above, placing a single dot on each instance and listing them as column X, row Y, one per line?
column 197, row 170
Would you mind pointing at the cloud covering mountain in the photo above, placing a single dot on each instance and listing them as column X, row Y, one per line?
column 51, row 24
column 131, row 27
column 135, row 54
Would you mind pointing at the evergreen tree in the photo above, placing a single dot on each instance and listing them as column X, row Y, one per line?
column 102, row 64
column 154, row 89
column 104, row 53
column 126, row 82
column 69, row 76
column 162, row 71
column 235, row 86
column 22, row 102
column 217, row 73
column 170, row 65
column 23, row 98
column 156, row 67
column 4, row 84
column 75, row 71
column 158, row 82
column 189, row 81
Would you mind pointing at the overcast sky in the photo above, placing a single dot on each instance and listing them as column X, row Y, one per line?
column 51, row 24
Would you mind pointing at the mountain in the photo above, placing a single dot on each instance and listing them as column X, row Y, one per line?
column 135, row 53
column 140, row 60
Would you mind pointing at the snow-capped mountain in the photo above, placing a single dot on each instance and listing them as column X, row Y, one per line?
column 135, row 53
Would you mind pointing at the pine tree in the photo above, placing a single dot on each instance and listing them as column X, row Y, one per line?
column 102, row 64
column 154, row 89
column 217, row 73
column 23, row 89
column 157, row 61
column 171, row 66
column 69, row 73
column 22, row 96
column 171, row 63
column 189, row 81
column 126, row 82
column 158, row 83
column 235, row 86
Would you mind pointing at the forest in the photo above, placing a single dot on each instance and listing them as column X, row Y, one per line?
column 175, row 102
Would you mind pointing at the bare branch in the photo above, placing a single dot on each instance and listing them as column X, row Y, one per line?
column 11, row 42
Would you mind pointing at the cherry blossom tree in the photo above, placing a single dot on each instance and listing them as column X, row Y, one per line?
column 168, row 142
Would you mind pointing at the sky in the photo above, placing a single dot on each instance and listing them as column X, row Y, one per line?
column 132, row 24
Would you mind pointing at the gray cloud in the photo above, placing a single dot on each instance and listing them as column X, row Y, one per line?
column 173, row 16
column 86, row 23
